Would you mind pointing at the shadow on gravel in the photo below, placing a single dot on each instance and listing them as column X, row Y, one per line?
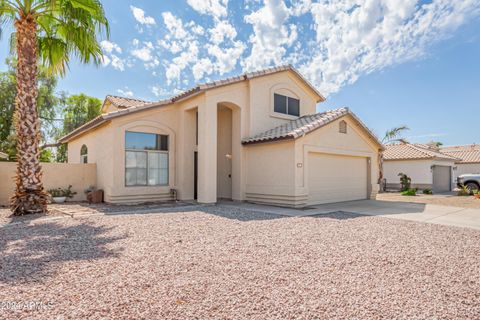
column 33, row 253
column 339, row 215
column 240, row 214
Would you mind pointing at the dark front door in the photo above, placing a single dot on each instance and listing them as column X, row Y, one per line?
column 195, row 175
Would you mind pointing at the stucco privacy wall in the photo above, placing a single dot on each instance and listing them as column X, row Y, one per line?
column 80, row 176
column 420, row 171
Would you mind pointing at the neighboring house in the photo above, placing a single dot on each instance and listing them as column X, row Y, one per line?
column 424, row 164
column 469, row 156
column 255, row 137
column 3, row 155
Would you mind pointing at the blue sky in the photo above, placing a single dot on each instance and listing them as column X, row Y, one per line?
column 392, row 62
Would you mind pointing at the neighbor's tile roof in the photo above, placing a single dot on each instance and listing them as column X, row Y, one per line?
column 299, row 127
column 407, row 151
column 122, row 102
column 127, row 106
column 467, row 154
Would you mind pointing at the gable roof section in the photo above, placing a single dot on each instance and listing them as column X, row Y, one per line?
column 408, row 151
column 297, row 128
column 128, row 106
column 466, row 154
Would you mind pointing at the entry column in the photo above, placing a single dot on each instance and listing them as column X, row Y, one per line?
column 207, row 152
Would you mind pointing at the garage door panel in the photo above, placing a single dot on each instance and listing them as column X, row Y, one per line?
column 333, row 178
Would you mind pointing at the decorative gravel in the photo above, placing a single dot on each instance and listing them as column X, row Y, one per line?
column 228, row 263
column 443, row 200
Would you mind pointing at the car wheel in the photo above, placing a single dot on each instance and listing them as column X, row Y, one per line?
column 472, row 186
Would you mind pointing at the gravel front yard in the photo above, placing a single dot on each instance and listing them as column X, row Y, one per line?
column 232, row 264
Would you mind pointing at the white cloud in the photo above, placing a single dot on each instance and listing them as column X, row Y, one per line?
column 140, row 16
column 201, row 68
column 215, row 8
column 226, row 58
column 109, row 47
column 221, row 31
column 271, row 36
column 117, row 63
column 179, row 63
column 355, row 38
column 144, row 53
column 174, row 25
column 125, row 92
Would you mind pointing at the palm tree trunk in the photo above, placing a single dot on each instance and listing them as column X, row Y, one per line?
column 380, row 171
column 30, row 196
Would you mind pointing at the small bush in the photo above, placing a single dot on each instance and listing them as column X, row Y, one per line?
column 477, row 194
column 405, row 181
column 409, row 192
column 62, row 192
column 464, row 191
column 427, row 191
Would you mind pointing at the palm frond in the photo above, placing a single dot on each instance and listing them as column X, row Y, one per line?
column 394, row 134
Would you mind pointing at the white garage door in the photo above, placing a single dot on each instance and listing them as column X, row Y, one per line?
column 333, row 178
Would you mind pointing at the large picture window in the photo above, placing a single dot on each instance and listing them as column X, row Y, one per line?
column 286, row 105
column 146, row 159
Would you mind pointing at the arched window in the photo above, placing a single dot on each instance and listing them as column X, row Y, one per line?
column 84, row 154
column 342, row 127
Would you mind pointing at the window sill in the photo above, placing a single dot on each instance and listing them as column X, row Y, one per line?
column 283, row 116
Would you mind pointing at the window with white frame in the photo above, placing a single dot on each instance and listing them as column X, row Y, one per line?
column 146, row 159
column 286, row 105
column 84, row 154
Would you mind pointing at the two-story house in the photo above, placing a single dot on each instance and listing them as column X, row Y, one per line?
column 256, row 137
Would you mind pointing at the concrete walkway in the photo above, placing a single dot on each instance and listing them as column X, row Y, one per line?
column 430, row 213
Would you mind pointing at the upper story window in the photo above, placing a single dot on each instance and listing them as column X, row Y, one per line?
column 286, row 105
column 342, row 127
column 84, row 154
column 146, row 159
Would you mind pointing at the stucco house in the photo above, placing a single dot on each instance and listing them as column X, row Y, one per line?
column 469, row 156
column 255, row 137
column 426, row 165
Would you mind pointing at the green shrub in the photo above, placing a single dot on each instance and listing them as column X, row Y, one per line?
column 427, row 191
column 464, row 191
column 405, row 182
column 409, row 192
column 62, row 192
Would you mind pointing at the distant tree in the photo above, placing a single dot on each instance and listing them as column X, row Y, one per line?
column 391, row 135
column 77, row 110
column 46, row 105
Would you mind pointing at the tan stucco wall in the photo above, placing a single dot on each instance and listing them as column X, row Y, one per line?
column 418, row 170
column 277, row 172
column 328, row 140
column 80, row 176
column 250, row 110
column 270, row 172
column 262, row 117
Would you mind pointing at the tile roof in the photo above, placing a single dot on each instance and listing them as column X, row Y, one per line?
column 3, row 155
column 122, row 102
column 299, row 127
column 467, row 154
column 128, row 105
column 408, row 151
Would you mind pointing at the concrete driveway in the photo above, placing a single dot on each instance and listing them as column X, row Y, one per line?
column 430, row 213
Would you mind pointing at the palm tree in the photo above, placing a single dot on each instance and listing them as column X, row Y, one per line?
column 46, row 31
column 391, row 135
